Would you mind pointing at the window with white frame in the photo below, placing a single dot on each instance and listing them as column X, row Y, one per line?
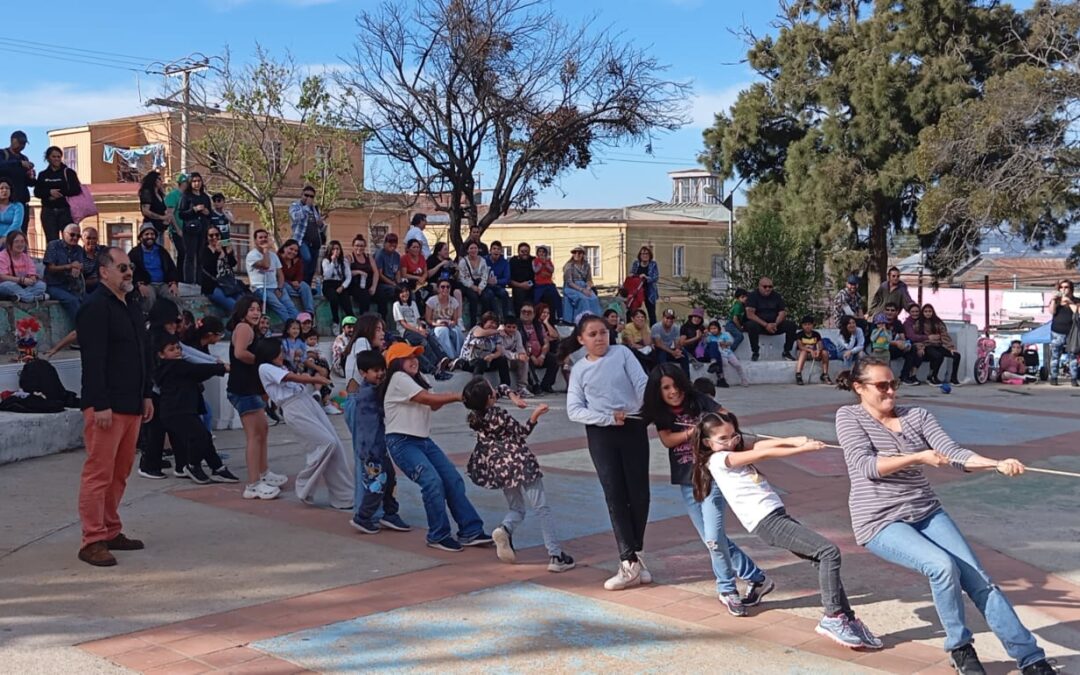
column 592, row 254
column 678, row 260
column 376, row 234
column 240, row 238
column 119, row 235
column 71, row 158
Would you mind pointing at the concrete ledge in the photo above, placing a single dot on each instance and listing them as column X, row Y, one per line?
column 23, row 436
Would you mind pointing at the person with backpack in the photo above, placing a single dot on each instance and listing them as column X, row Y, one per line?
column 54, row 185
column 18, row 170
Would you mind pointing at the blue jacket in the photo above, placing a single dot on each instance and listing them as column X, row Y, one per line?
column 501, row 270
column 652, row 277
column 364, row 413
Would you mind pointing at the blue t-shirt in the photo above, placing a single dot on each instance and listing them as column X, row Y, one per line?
column 58, row 252
column 388, row 264
column 152, row 263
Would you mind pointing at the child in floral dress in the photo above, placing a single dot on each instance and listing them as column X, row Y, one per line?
column 502, row 460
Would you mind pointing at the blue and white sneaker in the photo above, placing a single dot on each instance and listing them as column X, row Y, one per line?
column 481, row 539
column 869, row 640
column 448, row 544
column 839, row 630
column 394, row 522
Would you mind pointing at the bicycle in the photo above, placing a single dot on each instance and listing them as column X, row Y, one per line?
column 985, row 365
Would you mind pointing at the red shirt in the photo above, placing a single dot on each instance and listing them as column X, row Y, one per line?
column 544, row 271
column 294, row 272
column 417, row 267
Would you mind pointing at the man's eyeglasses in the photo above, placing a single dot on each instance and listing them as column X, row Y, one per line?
column 309, row 196
column 885, row 386
column 74, row 235
column 766, row 285
column 124, row 268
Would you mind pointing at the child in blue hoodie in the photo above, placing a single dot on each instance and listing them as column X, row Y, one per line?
column 375, row 476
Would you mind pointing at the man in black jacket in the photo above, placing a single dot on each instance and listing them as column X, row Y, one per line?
column 155, row 272
column 19, row 170
column 116, row 387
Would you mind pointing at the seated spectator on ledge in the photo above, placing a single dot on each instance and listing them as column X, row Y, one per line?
column 217, row 272
column 495, row 295
column 92, row 249
column 443, row 315
column 1013, row 367
column 939, row 345
column 579, row 291
column 736, row 323
column 614, row 326
column 811, row 347
column 514, row 350
column 522, row 277
column 851, row 342
column 544, row 291
column 668, row 342
column 265, row 278
column 473, row 272
column 483, row 352
column 292, row 272
column 638, row 337
column 64, row 261
column 155, row 272
column 900, row 347
column 766, row 313
column 537, row 346
column 693, row 333
column 11, row 212
column 18, row 273
column 388, row 266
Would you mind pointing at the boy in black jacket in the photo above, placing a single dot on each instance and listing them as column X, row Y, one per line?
column 182, row 408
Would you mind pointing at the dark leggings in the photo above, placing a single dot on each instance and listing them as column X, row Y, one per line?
column 339, row 302
column 620, row 455
column 53, row 220
column 192, row 443
column 936, row 355
column 480, row 366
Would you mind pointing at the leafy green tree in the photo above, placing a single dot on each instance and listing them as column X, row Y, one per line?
column 832, row 129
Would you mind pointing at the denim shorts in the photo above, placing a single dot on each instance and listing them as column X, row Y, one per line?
column 246, row 404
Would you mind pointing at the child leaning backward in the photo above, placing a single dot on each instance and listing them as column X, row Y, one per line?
column 376, row 480
column 502, row 460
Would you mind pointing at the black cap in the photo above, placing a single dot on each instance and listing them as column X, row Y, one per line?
column 20, row 135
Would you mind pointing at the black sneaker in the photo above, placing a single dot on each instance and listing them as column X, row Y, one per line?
column 755, row 356
column 196, row 474
column 933, row 379
column 1040, row 667
column 504, row 545
column 223, row 475
column 722, row 383
column 152, row 474
column 560, row 563
column 756, row 590
column 449, row 544
column 365, row 527
column 788, row 356
column 166, row 464
column 733, row 603
column 798, row 378
column 479, row 540
column 966, row 661
column 714, row 368
column 394, row 522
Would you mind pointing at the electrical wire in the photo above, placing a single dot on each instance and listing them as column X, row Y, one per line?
column 74, row 59
column 109, row 56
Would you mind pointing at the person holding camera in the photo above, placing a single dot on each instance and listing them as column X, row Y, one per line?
column 1062, row 308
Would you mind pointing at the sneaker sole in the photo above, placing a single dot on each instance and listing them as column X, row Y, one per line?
column 396, row 528
column 486, row 542
column 503, row 550
column 259, row 496
column 199, row 481
column 761, row 594
column 214, row 478
column 560, row 567
column 439, row 547
column 826, row 634
column 360, row 528
column 636, row 581
column 151, row 476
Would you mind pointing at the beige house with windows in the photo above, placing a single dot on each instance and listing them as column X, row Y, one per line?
column 99, row 152
column 685, row 239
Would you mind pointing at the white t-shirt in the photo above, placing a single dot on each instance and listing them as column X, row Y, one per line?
column 747, row 492
column 361, row 345
column 408, row 313
column 273, row 381
column 403, row 416
column 441, row 312
column 262, row 278
column 416, row 233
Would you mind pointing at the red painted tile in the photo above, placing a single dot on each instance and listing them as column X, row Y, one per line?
column 230, row 657
column 149, row 657
column 186, row 667
column 783, row 633
column 114, row 645
column 884, row 660
column 267, row 665
column 684, row 612
column 826, row 647
column 251, row 632
column 201, row 644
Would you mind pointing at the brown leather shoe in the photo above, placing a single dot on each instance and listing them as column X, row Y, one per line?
column 121, row 543
column 97, row 554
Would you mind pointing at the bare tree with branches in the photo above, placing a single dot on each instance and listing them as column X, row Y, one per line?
column 448, row 88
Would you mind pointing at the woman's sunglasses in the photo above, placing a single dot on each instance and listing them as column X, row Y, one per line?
column 885, row 386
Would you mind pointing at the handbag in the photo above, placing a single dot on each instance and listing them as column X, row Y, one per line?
column 1072, row 343
column 81, row 205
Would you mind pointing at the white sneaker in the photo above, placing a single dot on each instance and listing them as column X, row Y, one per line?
column 629, row 574
column 261, row 490
column 331, row 409
column 273, row 479
column 646, row 575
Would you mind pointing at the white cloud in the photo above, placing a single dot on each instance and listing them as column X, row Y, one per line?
column 707, row 103
column 63, row 104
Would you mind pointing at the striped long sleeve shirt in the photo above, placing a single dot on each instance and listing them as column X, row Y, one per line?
column 876, row 501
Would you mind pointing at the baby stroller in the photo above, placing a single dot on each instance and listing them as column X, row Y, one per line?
column 1031, row 360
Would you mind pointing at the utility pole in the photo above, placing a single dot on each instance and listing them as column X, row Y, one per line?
column 184, row 69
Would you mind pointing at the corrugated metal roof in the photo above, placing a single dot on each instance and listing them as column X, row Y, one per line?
column 564, row 216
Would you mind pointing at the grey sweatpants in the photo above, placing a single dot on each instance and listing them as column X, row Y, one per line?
column 327, row 459
column 531, row 494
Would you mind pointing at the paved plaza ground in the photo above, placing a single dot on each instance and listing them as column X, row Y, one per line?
column 240, row 586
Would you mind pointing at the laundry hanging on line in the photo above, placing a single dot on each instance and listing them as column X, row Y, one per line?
column 154, row 153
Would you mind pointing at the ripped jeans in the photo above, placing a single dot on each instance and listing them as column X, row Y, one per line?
column 441, row 486
column 935, row 548
column 728, row 560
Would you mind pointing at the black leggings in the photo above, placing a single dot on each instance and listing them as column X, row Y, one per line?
column 480, row 366
column 339, row 302
column 192, row 443
column 620, row 455
column 936, row 355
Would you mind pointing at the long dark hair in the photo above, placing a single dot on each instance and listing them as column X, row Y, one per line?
column 475, row 396
column 50, row 150
column 191, row 179
column 658, row 412
column 398, row 366
column 208, row 325
column 149, row 182
column 934, row 323
column 844, row 323
column 287, row 244
column 240, row 311
column 571, row 344
column 846, row 380
column 366, row 327
column 701, row 478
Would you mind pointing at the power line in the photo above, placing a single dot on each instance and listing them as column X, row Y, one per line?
column 140, row 60
column 74, row 59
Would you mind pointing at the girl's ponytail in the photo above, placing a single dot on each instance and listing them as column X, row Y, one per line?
column 569, row 345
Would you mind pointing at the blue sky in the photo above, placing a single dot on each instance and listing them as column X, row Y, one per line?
column 40, row 93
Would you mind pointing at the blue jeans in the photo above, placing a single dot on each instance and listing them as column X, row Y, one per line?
column 575, row 303
column 218, row 297
column 282, row 306
column 1057, row 350
column 441, row 486
column 736, row 335
column 307, row 257
column 451, row 339
column 728, row 560
column 376, row 480
column 68, row 300
column 11, row 289
column 935, row 548
column 498, row 301
column 307, row 300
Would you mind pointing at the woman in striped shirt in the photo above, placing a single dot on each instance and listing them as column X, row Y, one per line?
column 897, row 516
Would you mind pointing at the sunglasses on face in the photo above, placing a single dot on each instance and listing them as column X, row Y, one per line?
column 309, row 196
column 124, row 268
column 213, row 236
column 885, row 386
column 766, row 285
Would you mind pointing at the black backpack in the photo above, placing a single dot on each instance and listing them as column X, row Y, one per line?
column 39, row 377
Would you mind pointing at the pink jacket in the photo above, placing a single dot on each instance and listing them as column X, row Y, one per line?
column 23, row 265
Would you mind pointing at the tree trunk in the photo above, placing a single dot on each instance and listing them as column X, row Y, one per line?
column 878, row 259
